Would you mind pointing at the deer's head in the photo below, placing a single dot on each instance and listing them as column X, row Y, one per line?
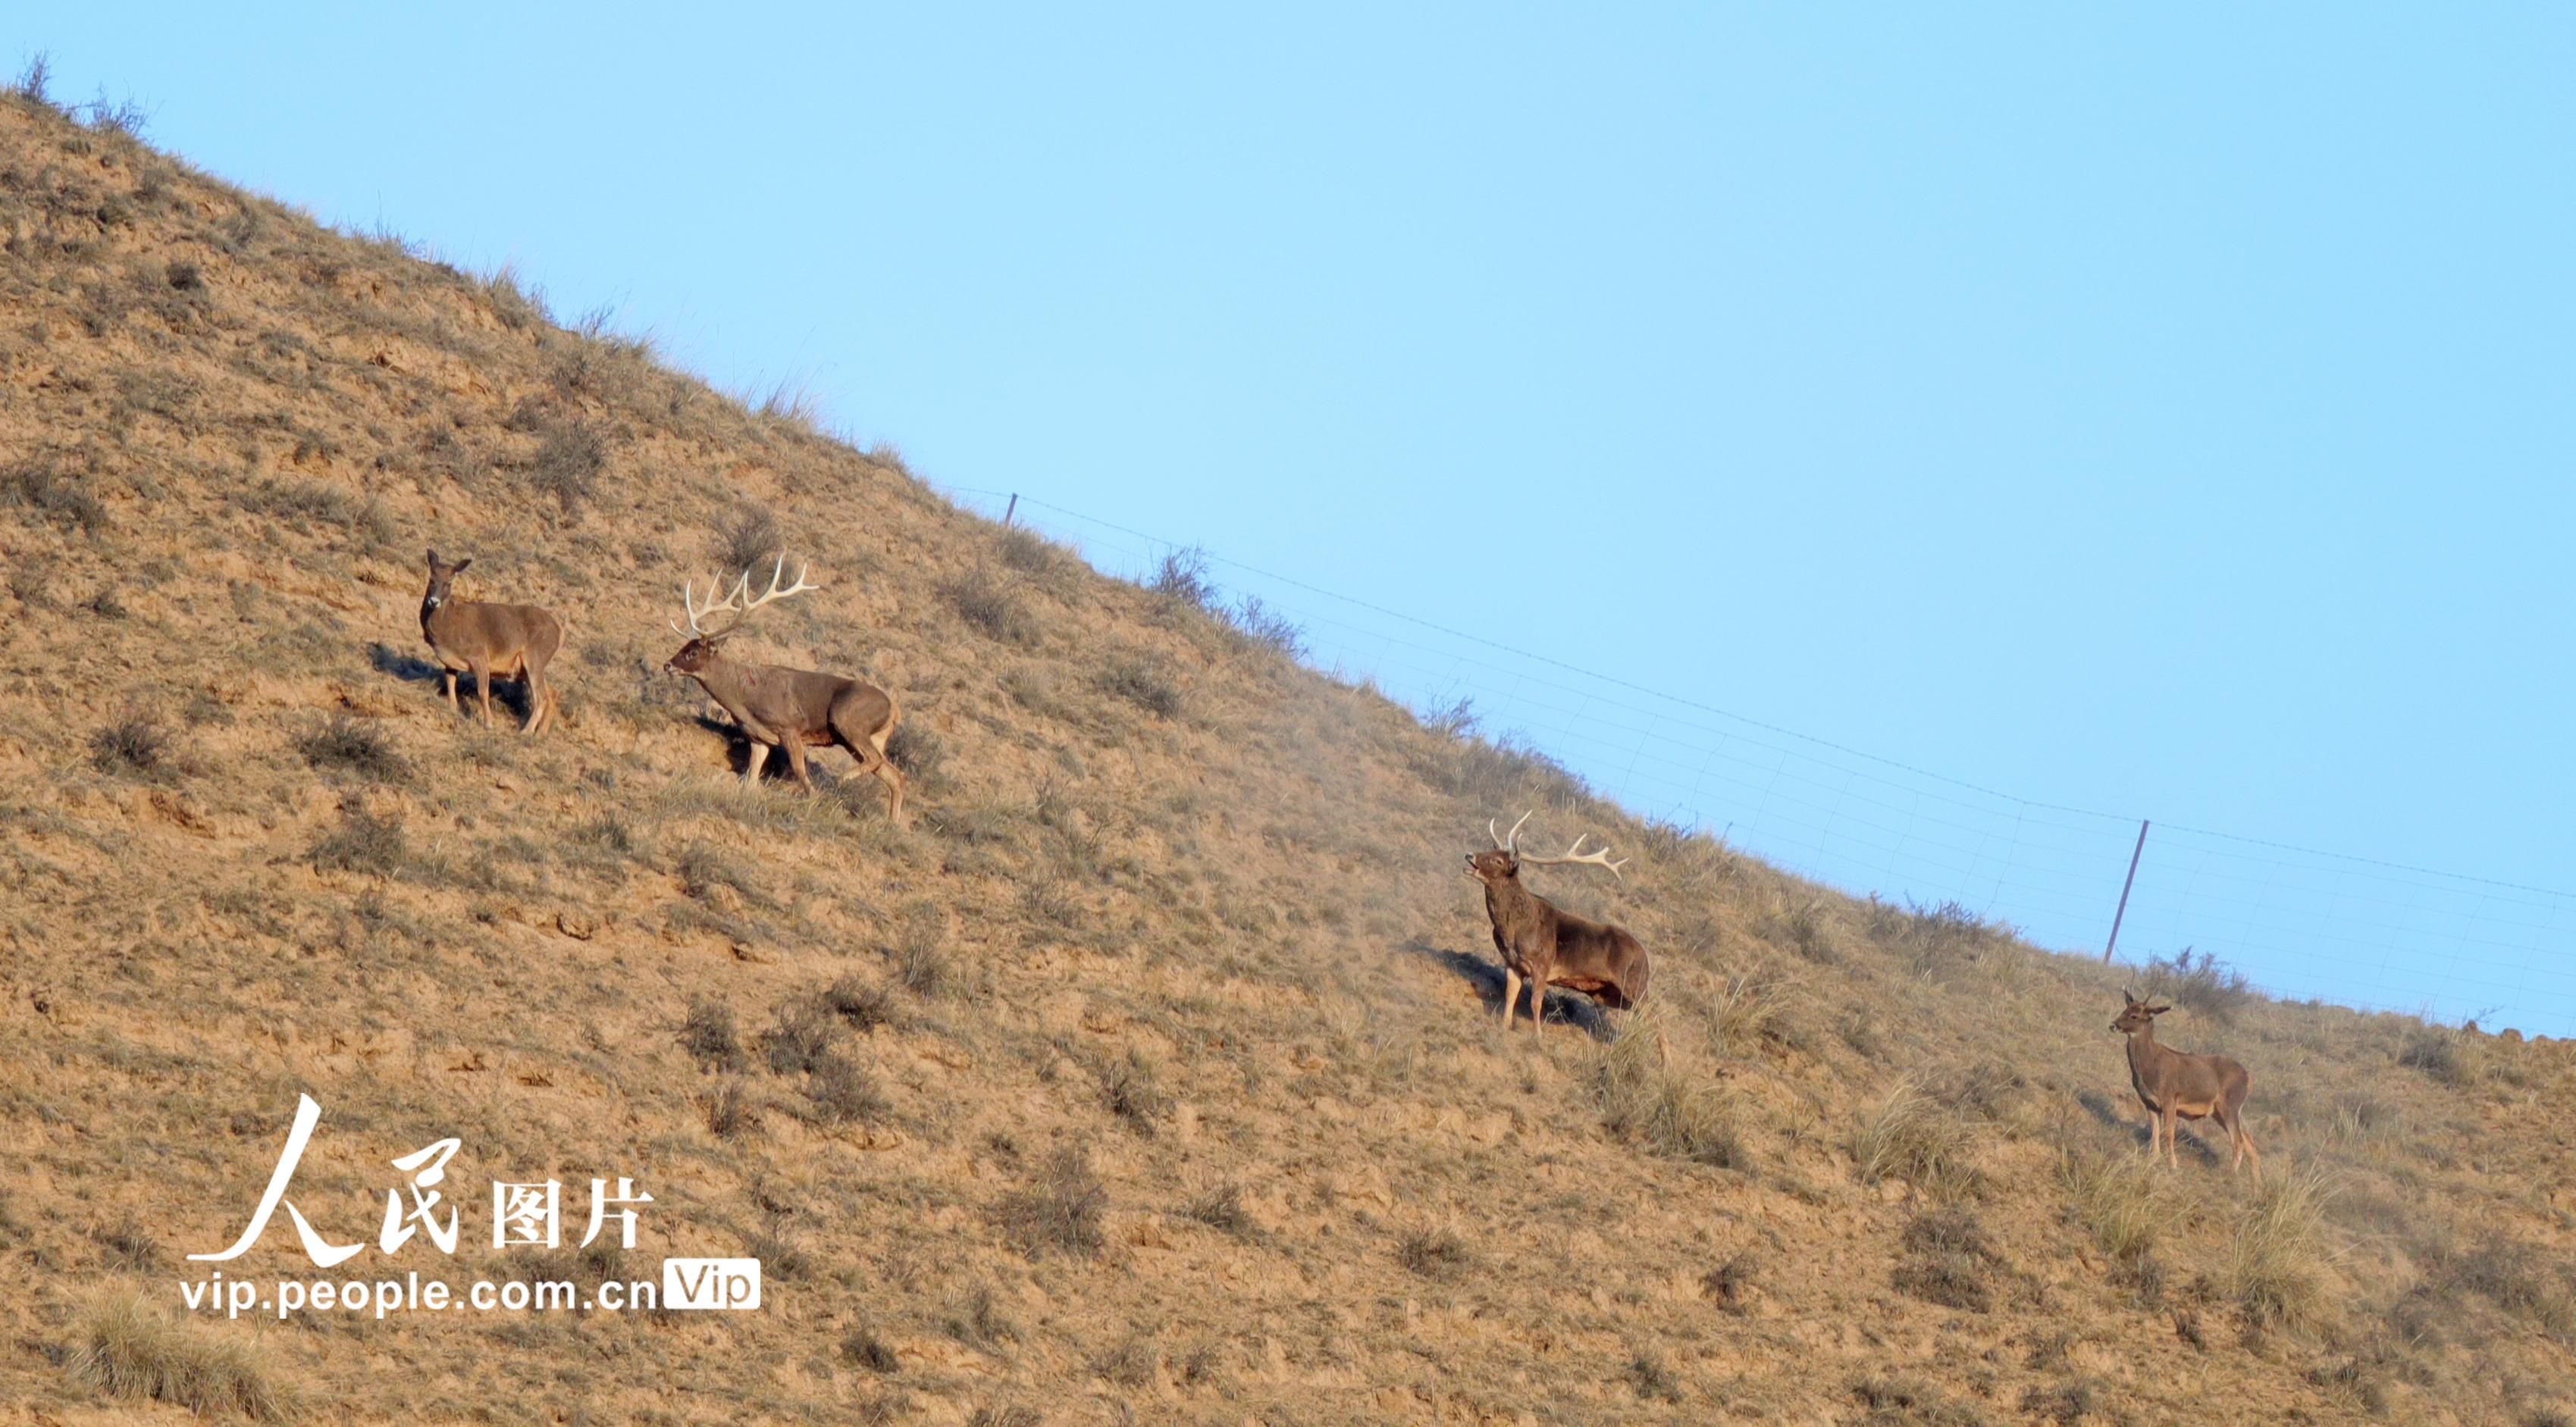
column 1504, row 862
column 441, row 575
column 704, row 643
column 2137, row 1015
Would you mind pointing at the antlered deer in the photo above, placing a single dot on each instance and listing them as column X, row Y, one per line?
column 2170, row 1084
column 1549, row 947
column 786, row 708
column 488, row 639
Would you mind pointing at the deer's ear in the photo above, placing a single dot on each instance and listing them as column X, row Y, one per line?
column 2129, row 996
column 433, row 557
column 2158, row 1010
column 460, row 565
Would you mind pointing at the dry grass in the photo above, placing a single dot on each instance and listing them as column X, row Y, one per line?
column 1058, row 1209
column 1915, row 1138
column 1644, row 1098
column 2278, row 1265
column 125, row 1346
column 2128, row 1205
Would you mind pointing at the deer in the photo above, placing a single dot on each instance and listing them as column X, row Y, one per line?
column 1546, row 946
column 2171, row 1084
column 470, row 636
column 791, row 709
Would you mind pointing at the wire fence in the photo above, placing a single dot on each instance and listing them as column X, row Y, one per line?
column 2298, row 923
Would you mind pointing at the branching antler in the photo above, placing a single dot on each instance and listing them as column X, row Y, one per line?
column 1507, row 844
column 1599, row 857
column 739, row 603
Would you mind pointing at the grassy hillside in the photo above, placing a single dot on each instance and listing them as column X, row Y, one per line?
column 1151, row 1073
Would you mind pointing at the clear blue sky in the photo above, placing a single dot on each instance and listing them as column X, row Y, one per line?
column 2161, row 412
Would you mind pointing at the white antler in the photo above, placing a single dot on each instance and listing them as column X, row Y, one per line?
column 1502, row 843
column 738, row 603
column 775, row 593
column 1600, row 857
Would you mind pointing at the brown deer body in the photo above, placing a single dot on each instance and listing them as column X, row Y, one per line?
column 2174, row 1086
column 1545, row 945
column 469, row 636
column 790, row 709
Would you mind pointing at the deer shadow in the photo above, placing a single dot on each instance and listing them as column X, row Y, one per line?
column 2137, row 1131
column 507, row 693
column 1565, row 1008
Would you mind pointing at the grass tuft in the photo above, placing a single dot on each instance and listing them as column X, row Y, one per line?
column 349, row 745
column 1914, row 1138
column 127, row 1348
column 2276, row 1264
column 1060, row 1208
column 1644, row 1099
column 363, row 842
column 134, row 746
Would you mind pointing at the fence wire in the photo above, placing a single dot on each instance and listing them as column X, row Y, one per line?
column 2298, row 923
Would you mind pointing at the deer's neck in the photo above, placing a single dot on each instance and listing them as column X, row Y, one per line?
column 438, row 619
column 1513, row 907
column 2144, row 1054
column 727, row 681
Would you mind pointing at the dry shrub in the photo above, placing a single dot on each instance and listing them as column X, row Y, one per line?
column 1730, row 1284
column 708, row 1034
column 1060, row 1208
column 1131, row 1086
column 2276, row 1265
column 2442, row 1053
column 992, row 607
column 1908, row 1402
column 1221, row 1207
column 800, row 1037
column 1030, row 553
column 1948, row 1260
column 134, row 746
column 1915, row 1138
column 1144, row 683
column 842, row 1093
column 2206, row 986
column 125, row 1347
column 1433, row 1253
column 2524, row 1281
column 1645, row 1099
column 568, row 463
column 731, row 1113
column 864, row 1004
column 749, row 537
column 862, row 1347
column 352, row 746
column 363, row 842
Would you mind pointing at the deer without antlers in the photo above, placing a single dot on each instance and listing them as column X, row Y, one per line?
column 2171, row 1084
column 791, row 709
column 1547, row 946
column 488, row 639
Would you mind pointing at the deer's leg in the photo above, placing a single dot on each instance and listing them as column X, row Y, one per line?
column 1538, row 1010
column 1511, row 995
column 2173, row 1121
column 483, row 690
column 751, row 764
column 450, row 676
column 794, row 743
column 532, row 677
column 874, row 763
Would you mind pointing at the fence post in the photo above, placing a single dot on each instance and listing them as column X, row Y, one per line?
column 1011, row 509
column 2124, row 892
